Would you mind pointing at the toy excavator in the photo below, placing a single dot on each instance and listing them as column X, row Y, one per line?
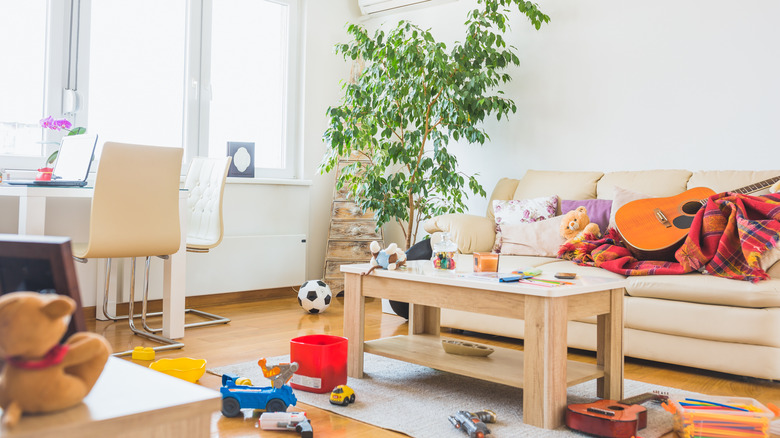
column 278, row 374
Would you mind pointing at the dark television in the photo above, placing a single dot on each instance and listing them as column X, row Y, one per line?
column 40, row 264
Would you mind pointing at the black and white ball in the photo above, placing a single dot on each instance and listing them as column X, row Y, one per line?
column 314, row 296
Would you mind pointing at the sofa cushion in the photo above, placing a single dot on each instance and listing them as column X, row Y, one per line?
column 504, row 189
column 704, row 321
column 598, row 210
column 542, row 238
column 706, row 289
column 517, row 211
column 728, row 180
column 471, row 233
column 653, row 183
column 567, row 185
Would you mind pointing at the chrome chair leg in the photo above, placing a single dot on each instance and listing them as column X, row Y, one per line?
column 169, row 344
column 106, row 293
column 212, row 318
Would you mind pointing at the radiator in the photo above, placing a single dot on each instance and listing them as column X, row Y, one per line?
column 243, row 263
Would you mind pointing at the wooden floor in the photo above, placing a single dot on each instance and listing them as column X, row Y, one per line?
column 263, row 329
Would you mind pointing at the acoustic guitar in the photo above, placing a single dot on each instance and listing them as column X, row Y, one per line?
column 654, row 228
column 609, row 418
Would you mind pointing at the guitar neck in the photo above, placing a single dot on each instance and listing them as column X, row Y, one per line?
column 757, row 186
column 641, row 398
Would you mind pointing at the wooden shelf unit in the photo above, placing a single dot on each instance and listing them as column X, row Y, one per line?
column 350, row 235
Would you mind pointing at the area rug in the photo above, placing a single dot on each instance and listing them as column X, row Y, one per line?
column 417, row 400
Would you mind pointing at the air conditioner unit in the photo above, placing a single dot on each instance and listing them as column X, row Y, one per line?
column 372, row 7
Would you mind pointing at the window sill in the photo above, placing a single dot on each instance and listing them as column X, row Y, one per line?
column 270, row 181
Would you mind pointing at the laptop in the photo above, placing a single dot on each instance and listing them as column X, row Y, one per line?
column 73, row 162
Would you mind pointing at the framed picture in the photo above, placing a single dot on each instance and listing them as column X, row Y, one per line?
column 243, row 163
column 41, row 264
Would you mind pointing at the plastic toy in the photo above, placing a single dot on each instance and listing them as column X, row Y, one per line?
column 390, row 258
column 473, row 424
column 296, row 421
column 184, row 368
column 143, row 353
column 278, row 374
column 236, row 397
column 342, row 395
column 314, row 296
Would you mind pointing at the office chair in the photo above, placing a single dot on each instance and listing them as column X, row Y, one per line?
column 205, row 184
column 135, row 213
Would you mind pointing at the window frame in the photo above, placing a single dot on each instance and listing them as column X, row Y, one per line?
column 67, row 68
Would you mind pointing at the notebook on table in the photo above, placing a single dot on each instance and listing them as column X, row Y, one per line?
column 73, row 162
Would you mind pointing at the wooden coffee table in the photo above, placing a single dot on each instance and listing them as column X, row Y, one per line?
column 542, row 369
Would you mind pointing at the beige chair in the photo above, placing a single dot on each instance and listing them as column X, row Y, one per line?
column 205, row 184
column 135, row 213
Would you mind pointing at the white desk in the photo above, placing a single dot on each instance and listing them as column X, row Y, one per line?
column 32, row 219
column 129, row 400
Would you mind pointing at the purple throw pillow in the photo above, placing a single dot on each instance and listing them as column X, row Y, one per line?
column 598, row 210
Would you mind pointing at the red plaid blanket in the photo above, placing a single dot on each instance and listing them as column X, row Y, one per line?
column 727, row 239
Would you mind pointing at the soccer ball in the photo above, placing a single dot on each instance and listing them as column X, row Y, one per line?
column 314, row 296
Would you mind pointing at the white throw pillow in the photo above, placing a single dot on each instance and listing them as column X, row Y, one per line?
column 519, row 211
column 542, row 238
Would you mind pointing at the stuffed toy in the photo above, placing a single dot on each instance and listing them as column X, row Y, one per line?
column 40, row 374
column 389, row 258
column 575, row 225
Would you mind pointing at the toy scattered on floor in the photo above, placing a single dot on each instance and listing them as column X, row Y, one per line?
column 473, row 423
column 184, row 368
column 575, row 226
column 41, row 375
column 278, row 374
column 610, row 418
column 390, row 258
column 342, row 395
column 314, row 296
column 236, row 397
column 143, row 353
column 296, row 421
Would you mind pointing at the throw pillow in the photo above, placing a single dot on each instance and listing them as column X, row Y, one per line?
column 542, row 238
column 599, row 210
column 622, row 197
column 521, row 211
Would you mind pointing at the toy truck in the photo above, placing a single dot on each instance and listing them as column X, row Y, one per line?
column 236, row 397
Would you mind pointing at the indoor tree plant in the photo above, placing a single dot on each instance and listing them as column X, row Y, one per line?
column 412, row 97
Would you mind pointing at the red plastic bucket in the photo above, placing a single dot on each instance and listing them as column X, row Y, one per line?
column 322, row 362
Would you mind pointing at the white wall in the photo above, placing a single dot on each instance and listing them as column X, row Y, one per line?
column 615, row 85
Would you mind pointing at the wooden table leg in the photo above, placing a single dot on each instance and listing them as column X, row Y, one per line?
column 354, row 323
column 544, row 372
column 609, row 348
column 424, row 319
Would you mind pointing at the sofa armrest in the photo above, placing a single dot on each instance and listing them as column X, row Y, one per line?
column 471, row 233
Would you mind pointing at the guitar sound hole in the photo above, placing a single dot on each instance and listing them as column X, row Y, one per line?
column 616, row 408
column 691, row 207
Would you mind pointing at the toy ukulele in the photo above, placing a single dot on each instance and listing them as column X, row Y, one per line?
column 609, row 418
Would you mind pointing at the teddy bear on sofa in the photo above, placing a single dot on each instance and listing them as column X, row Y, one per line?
column 40, row 374
column 575, row 226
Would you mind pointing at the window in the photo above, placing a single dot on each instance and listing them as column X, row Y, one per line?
column 22, row 39
column 246, row 61
column 184, row 73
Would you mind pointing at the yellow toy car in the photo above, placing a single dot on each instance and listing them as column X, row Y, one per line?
column 342, row 395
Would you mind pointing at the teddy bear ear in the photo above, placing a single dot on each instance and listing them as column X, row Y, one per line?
column 59, row 307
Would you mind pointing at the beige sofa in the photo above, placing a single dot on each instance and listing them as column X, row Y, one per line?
column 693, row 320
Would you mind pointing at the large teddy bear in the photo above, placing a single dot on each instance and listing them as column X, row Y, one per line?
column 40, row 374
column 575, row 225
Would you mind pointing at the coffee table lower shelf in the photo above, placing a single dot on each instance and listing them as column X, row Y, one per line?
column 503, row 366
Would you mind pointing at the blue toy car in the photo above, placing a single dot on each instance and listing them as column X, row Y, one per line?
column 237, row 397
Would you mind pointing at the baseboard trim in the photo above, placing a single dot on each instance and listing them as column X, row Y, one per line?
column 205, row 300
